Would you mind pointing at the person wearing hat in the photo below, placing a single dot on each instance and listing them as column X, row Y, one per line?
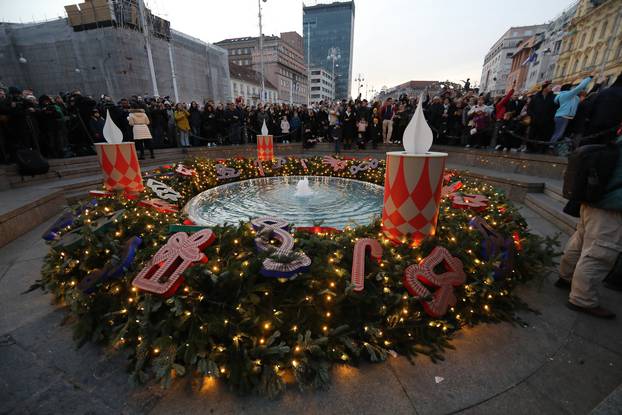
column 568, row 101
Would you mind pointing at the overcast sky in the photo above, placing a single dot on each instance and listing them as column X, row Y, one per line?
column 394, row 40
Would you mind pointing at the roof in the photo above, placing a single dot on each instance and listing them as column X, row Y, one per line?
column 245, row 39
column 415, row 84
column 247, row 74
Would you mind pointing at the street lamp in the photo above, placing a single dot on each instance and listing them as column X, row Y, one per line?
column 263, row 82
column 334, row 54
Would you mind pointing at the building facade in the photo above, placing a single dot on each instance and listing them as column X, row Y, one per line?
column 521, row 62
column 498, row 60
column 326, row 28
column 100, row 49
column 321, row 85
column 283, row 62
column 246, row 83
column 593, row 43
column 414, row 89
column 546, row 52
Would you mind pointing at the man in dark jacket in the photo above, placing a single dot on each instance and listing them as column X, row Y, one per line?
column 542, row 112
column 605, row 114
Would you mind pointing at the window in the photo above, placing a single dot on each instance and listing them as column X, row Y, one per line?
column 594, row 57
column 582, row 40
column 557, row 47
column 585, row 61
column 592, row 35
column 576, row 65
column 603, row 29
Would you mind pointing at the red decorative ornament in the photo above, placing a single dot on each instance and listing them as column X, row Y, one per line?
column 358, row 260
column 451, row 189
column 517, row 242
column 318, row 229
column 163, row 273
column 185, row 171
column 415, row 276
column 467, row 201
column 160, row 205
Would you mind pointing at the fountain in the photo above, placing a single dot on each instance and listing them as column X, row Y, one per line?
column 303, row 189
column 335, row 201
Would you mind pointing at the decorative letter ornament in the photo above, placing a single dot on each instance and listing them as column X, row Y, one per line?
column 303, row 163
column 223, row 172
column 163, row 191
column 113, row 268
column 163, row 273
column 185, row 171
column 282, row 262
column 336, row 164
column 423, row 273
column 466, row 201
column 358, row 260
column 495, row 245
column 259, row 168
column 365, row 165
column 279, row 162
column 66, row 219
column 449, row 190
column 160, row 205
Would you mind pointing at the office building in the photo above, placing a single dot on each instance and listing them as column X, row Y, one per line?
column 329, row 29
column 321, row 85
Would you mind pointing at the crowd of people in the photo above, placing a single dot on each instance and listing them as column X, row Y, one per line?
column 539, row 120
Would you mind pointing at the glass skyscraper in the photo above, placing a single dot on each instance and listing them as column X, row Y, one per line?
column 328, row 31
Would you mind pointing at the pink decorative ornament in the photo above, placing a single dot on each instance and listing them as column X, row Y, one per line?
column 466, row 201
column 337, row 165
column 163, row 273
column 259, row 168
column 415, row 276
column 160, row 205
column 223, row 172
column 303, row 162
column 358, row 260
column 185, row 171
column 365, row 165
column 268, row 227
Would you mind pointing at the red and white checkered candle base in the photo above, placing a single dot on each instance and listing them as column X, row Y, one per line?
column 412, row 195
column 120, row 167
column 265, row 147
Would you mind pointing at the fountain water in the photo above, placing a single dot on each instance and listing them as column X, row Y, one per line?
column 303, row 189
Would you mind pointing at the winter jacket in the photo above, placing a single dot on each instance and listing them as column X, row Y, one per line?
column 569, row 101
column 613, row 194
column 501, row 107
column 139, row 122
column 181, row 119
column 606, row 111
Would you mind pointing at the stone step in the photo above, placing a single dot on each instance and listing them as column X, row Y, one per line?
column 554, row 191
column 551, row 209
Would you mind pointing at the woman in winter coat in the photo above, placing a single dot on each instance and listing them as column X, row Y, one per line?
column 209, row 124
column 195, row 122
column 183, row 125
column 348, row 123
column 139, row 121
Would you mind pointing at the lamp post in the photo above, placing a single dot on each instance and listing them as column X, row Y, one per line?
column 334, row 54
column 359, row 80
column 263, row 82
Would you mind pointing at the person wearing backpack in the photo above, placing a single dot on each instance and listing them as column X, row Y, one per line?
column 594, row 248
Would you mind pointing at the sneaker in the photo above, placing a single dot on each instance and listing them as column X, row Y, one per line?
column 513, row 150
column 498, row 147
column 467, row 146
column 598, row 312
column 505, row 149
column 523, row 149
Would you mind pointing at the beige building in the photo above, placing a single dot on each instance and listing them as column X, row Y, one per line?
column 593, row 43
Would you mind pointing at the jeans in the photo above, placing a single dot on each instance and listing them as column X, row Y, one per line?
column 560, row 128
column 183, row 138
